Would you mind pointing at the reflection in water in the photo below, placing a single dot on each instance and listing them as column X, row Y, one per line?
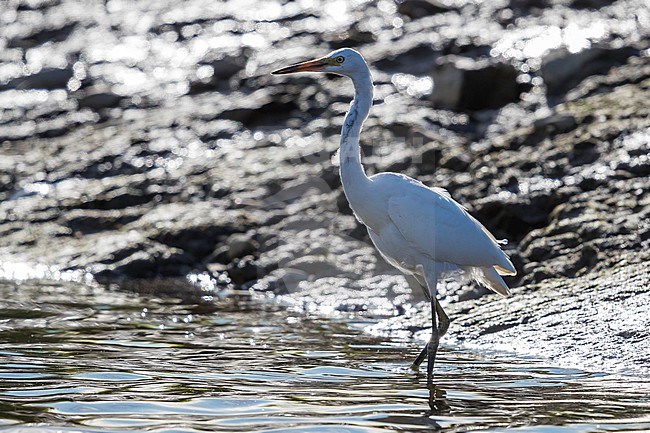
column 438, row 400
column 78, row 357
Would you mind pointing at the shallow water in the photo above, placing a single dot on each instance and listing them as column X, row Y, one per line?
column 80, row 358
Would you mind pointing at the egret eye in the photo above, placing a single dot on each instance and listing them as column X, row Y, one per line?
column 340, row 59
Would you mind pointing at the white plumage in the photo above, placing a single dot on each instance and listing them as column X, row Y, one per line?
column 426, row 224
column 421, row 231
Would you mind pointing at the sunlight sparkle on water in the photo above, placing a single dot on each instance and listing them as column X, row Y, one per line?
column 19, row 271
column 167, row 360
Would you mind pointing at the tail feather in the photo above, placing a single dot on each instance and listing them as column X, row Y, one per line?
column 491, row 279
column 504, row 265
column 506, row 271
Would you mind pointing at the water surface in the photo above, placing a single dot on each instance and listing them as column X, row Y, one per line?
column 81, row 358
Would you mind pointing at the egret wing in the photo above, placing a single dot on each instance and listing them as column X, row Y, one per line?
column 441, row 229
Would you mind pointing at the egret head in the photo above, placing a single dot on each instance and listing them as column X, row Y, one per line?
column 344, row 61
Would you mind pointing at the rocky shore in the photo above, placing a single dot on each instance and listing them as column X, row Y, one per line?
column 145, row 144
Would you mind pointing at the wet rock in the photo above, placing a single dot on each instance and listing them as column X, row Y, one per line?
column 213, row 74
column 235, row 246
column 563, row 70
column 279, row 281
column 563, row 305
column 528, row 6
column 555, row 124
column 590, row 4
column 315, row 266
column 149, row 260
column 244, row 270
column 417, row 60
column 89, row 221
column 227, row 66
column 421, row 8
column 258, row 109
column 455, row 161
column 353, row 37
column 50, row 32
column 98, row 99
column 460, row 84
column 196, row 228
column 178, row 153
column 47, row 78
column 584, row 152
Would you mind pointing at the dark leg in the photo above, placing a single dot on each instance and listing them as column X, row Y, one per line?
column 432, row 346
column 416, row 364
column 443, row 320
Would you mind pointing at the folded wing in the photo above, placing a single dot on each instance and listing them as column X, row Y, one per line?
column 440, row 228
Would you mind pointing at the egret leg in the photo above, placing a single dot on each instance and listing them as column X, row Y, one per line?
column 443, row 320
column 432, row 346
column 415, row 366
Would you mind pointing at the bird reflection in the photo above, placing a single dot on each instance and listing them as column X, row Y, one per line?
column 438, row 400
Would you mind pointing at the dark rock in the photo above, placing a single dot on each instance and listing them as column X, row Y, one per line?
column 87, row 222
column 353, row 37
column 98, row 99
column 584, row 152
column 514, row 220
column 227, row 66
column 217, row 73
column 417, row 60
column 431, row 156
column 240, row 245
column 637, row 167
column 244, row 270
column 148, row 262
column 269, row 113
column 460, row 84
column 235, row 246
column 528, row 5
column 38, row 36
column 555, row 124
column 457, row 162
column 421, row 8
column 177, row 226
column 590, row 4
column 117, row 199
column 587, row 259
column 199, row 240
column 48, row 78
column 465, row 49
column 563, row 70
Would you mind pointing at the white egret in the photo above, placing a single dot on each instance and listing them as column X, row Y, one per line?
column 419, row 230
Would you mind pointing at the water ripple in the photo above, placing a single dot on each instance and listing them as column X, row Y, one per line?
column 74, row 357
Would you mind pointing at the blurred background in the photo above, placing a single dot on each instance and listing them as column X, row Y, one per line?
column 156, row 182
column 146, row 141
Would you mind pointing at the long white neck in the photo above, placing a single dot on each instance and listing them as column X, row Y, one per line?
column 353, row 177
